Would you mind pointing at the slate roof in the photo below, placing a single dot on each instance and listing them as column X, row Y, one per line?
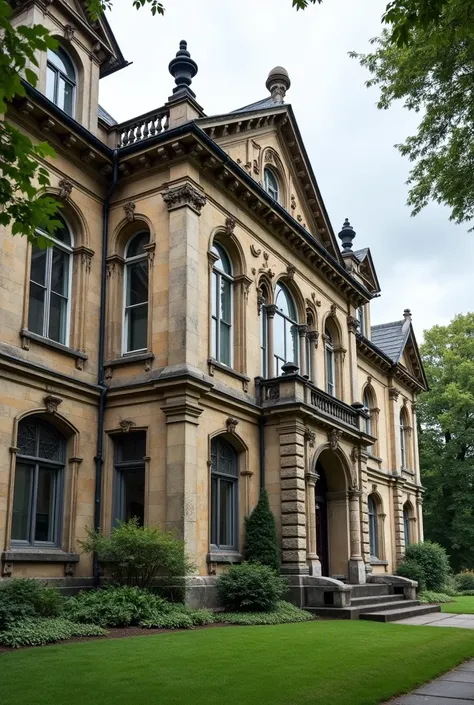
column 390, row 338
column 106, row 117
column 259, row 105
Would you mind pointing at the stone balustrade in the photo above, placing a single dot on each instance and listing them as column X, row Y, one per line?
column 143, row 127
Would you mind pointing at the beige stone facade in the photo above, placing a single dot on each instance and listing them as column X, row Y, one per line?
column 204, row 398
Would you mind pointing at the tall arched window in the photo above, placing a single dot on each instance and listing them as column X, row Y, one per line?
column 285, row 333
column 37, row 498
column 135, row 328
column 361, row 319
column 367, row 401
column 264, row 297
column 222, row 307
column 403, row 439
column 61, row 80
column 373, row 527
column 270, row 183
column 50, row 285
column 407, row 512
column 129, row 484
column 330, row 363
column 224, row 495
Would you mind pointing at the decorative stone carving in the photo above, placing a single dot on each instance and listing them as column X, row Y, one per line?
column 290, row 272
column 269, row 157
column 272, row 392
column 352, row 324
column 310, row 436
column 333, row 310
column 229, row 225
column 313, row 337
column 126, row 425
column 129, row 209
column 354, row 478
column 65, row 188
column 51, row 403
column 393, row 394
column 256, row 252
column 374, row 488
column 302, row 329
column 369, row 379
column 271, row 309
column 265, row 257
column 260, row 300
column 69, row 30
column 69, row 570
column 185, row 195
column 256, row 170
column 293, row 202
column 231, row 424
column 334, row 436
column 7, row 570
column 354, row 454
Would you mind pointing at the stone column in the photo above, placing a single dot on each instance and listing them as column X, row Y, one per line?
column 302, row 330
column 353, row 326
column 184, row 204
column 313, row 336
column 399, row 527
column 416, row 450
column 270, row 311
column 293, row 498
column 419, row 512
column 311, row 477
column 356, row 563
column 393, row 413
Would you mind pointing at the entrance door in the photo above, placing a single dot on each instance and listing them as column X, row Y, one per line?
column 322, row 544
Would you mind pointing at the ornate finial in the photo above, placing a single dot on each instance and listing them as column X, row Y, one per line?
column 278, row 83
column 346, row 236
column 407, row 314
column 183, row 69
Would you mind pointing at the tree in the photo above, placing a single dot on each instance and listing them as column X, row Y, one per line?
column 446, row 419
column 261, row 544
column 433, row 75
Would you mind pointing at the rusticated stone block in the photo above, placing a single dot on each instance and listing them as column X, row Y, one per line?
column 293, row 520
column 293, row 471
column 293, row 530
column 292, row 449
column 293, row 496
column 286, row 438
column 289, row 461
column 292, row 483
column 292, row 507
column 294, row 543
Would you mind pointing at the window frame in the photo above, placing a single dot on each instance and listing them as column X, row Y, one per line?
column 372, row 511
column 403, row 442
column 214, row 519
column 217, row 276
column 273, row 188
column 128, row 263
column 136, row 465
column 60, row 75
column 361, row 319
column 330, row 356
column 406, row 525
column 288, row 321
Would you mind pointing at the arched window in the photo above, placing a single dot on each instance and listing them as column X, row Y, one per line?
column 129, row 486
column 50, row 285
column 222, row 307
column 406, row 523
column 224, row 495
column 285, row 333
column 361, row 319
column 61, row 80
column 270, row 182
column 403, row 438
column 367, row 401
column 39, row 471
column 135, row 328
column 330, row 364
column 263, row 294
column 373, row 527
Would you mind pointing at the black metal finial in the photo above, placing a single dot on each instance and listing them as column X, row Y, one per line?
column 346, row 236
column 183, row 69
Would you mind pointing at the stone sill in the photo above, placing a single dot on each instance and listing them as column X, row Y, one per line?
column 378, row 561
column 130, row 359
column 38, row 556
column 28, row 335
column 215, row 365
column 224, row 557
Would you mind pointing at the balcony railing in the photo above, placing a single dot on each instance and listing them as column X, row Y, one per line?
column 329, row 406
column 142, row 127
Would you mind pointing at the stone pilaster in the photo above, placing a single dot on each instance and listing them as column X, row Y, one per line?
column 302, row 330
column 352, row 326
column 416, row 451
column 364, row 513
column 270, row 311
column 419, row 516
column 312, row 336
column 293, row 498
column 398, row 525
column 356, row 563
column 393, row 415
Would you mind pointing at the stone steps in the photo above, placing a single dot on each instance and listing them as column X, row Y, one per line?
column 356, row 611
column 369, row 590
column 374, row 600
column 397, row 611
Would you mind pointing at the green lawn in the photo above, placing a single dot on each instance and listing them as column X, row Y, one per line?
column 345, row 663
column 461, row 605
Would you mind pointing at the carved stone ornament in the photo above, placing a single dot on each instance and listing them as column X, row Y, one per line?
column 290, row 272
column 51, row 403
column 374, row 488
column 369, row 379
column 126, row 425
column 269, row 157
column 313, row 337
column 65, row 188
column 272, row 392
column 229, row 225
column 129, row 209
column 7, row 570
column 231, row 424
column 310, row 436
column 255, row 251
column 256, row 170
column 352, row 324
column 260, row 300
column 333, row 310
column 293, row 202
column 333, row 437
column 354, row 479
column 271, row 309
column 393, row 394
column 69, row 30
column 69, row 570
column 186, row 195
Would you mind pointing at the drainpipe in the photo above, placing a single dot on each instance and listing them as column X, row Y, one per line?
column 101, row 376
column 261, row 438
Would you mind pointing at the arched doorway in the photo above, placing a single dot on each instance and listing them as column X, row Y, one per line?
column 332, row 515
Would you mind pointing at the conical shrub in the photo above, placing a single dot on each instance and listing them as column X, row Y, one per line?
column 261, row 543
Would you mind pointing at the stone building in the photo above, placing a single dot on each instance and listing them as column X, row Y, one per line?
column 193, row 334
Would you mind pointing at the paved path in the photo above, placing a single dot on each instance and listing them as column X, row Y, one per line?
column 454, row 688
column 441, row 619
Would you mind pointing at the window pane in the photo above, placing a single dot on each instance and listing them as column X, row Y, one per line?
column 137, row 327
column 137, row 244
column 225, row 344
column 38, row 265
column 133, row 495
column 214, row 512
column 214, row 338
column 21, row 502
column 51, row 445
column 291, row 343
column 226, row 513
column 45, row 505
column 36, row 309
column 226, row 301
column 68, row 97
column 279, row 336
column 214, row 285
column 131, row 446
column 137, row 287
column 27, row 435
column 57, row 318
column 59, row 271
column 50, row 83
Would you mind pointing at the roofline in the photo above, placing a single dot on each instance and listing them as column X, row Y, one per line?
column 393, row 367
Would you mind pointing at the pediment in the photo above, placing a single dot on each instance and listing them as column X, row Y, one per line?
column 410, row 358
column 367, row 270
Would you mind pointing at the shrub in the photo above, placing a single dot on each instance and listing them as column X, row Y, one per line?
column 21, row 598
column 428, row 597
column 250, row 587
column 465, row 581
column 466, row 593
column 36, row 632
column 135, row 555
column 284, row 613
column 433, row 559
column 113, row 607
column 450, row 587
column 261, row 543
column 413, row 571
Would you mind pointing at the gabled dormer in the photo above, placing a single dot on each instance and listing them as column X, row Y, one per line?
column 87, row 51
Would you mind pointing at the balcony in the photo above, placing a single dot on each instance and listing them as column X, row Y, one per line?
column 141, row 128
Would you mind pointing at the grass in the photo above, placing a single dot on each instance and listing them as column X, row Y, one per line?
column 460, row 605
column 348, row 663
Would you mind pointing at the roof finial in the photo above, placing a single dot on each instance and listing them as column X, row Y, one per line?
column 407, row 314
column 278, row 83
column 346, row 236
column 183, row 69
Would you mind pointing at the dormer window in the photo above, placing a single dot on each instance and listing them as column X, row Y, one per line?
column 61, row 80
column 271, row 184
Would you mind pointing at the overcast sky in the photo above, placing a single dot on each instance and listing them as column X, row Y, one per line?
column 423, row 263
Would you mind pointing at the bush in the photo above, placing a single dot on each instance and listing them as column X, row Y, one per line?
column 433, row 559
column 135, row 555
column 113, row 607
column 261, row 543
column 283, row 613
column 36, row 632
column 465, row 581
column 250, row 587
column 21, row 598
column 450, row 587
column 413, row 571
column 178, row 617
column 466, row 593
column 428, row 597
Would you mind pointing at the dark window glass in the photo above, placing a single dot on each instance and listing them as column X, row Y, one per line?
column 224, row 495
column 61, row 80
column 285, row 334
column 373, row 528
column 136, row 294
column 406, row 525
column 221, row 307
column 130, row 449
